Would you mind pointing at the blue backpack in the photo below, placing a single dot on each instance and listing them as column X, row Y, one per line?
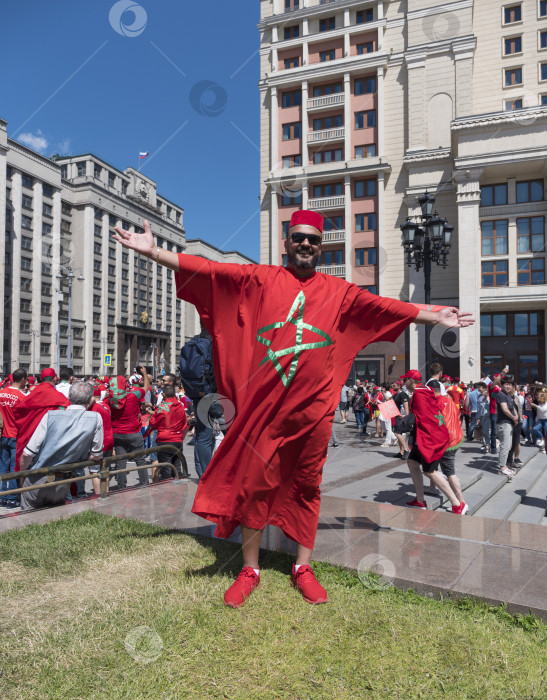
column 197, row 372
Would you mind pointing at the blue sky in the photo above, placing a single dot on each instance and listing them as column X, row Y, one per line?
column 178, row 79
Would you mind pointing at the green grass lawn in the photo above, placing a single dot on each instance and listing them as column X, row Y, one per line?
column 100, row 607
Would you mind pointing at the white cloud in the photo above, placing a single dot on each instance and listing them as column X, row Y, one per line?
column 36, row 141
column 63, row 147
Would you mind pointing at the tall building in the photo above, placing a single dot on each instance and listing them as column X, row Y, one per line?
column 367, row 105
column 62, row 271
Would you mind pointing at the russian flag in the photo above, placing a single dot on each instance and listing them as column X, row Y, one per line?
column 143, row 154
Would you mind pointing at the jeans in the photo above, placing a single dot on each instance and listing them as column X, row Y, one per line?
column 540, row 428
column 7, row 465
column 505, row 435
column 528, row 426
column 360, row 419
column 203, row 447
column 485, row 426
column 124, row 443
column 472, row 424
column 493, row 424
column 168, row 456
column 516, row 441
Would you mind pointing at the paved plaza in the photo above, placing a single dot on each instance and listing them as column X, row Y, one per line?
column 364, row 524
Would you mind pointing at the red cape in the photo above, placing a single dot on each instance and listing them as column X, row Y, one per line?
column 432, row 436
column 30, row 410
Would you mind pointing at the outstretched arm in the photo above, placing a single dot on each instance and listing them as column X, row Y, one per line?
column 449, row 316
column 144, row 244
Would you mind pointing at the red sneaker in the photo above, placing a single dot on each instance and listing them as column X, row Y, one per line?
column 417, row 504
column 242, row 587
column 304, row 580
column 461, row 509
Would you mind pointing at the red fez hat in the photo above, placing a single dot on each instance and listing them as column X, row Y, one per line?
column 96, row 391
column 305, row 217
column 32, row 380
column 48, row 372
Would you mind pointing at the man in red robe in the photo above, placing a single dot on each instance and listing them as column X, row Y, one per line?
column 284, row 339
column 30, row 410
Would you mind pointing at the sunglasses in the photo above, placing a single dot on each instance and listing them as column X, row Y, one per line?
column 301, row 237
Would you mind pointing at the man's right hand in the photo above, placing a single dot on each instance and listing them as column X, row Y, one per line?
column 142, row 243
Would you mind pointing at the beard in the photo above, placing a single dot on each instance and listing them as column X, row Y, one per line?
column 301, row 261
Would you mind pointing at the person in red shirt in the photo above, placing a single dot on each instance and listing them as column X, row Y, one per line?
column 9, row 398
column 284, row 339
column 103, row 409
column 126, row 424
column 169, row 419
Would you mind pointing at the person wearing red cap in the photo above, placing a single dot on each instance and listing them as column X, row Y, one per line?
column 10, row 396
column 297, row 332
column 30, row 410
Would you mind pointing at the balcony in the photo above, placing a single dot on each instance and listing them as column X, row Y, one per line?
column 334, row 236
column 334, row 270
column 327, row 135
column 327, row 203
column 315, row 103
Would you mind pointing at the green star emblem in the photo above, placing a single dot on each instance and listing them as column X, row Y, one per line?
column 298, row 309
column 440, row 418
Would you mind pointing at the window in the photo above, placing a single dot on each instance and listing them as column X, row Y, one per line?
column 331, row 89
column 365, row 16
column 45, row 309
column 289, row 199
column 335, row 189
column 542, row 8
column 494, row 237
column 364, row 86
column 143, row 264
column 44, row 348
column 365, row 222
column 26, row 201
column 367, row 47
column 96, row 283
column 511, row 105
column 292, row 161
column 97, row 170
column 327, row 156
column 46, row 289
column 493, row 325
column 513, row 76
column 26, row 222
column 529, row 323
column 292, row 32
column 512, row 14
column 291, row 99
column 142, row 279
column 291, row 5
column 24, row 305
column 327, row 55
column 531, row 235
column 292, row 131
column 493, row 194
column 46, row 268
column 530, row 191
column 64, row 171
column 365, row 119
column 26, row 264
column 285, row 229
column 24, row 347
column 125, row 290
column 110, row 336
column 66, row 209
column 26, row 181
column 124, row 187
column 328, row 123
column 111, row 179
column 543, row 39
column 97, row 265
column 368, row 151
column 111, row 304
column 46, row 229
column 513, row 45
column 531, row 271
column 292, row 62
column 96, row 317
column 26, row 243
column 45, row 328
column 96, row 300
column 124, row 307
column 334, row 223
column 494, row 273
column 372, row 288
column 332, row 257
column 80, row 168
column 543, row 71
column 365, row 188
column 111, row 286
column 365, row 256
column 327, row 23
column 47, row 209
column 26, row 284
column 125, row 258
column 97, row 248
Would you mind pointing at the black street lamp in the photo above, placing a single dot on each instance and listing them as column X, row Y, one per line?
column 424, row 243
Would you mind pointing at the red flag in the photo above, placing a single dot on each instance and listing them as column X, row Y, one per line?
column 30, row 410
column 452, row 420
column 432, row 436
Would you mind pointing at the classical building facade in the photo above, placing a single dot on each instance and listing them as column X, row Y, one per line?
column 62, row 271
column 364, row 107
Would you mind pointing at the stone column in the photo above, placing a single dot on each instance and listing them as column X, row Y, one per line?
column 348, row 155
column 87, row 297
column 349, row 227
column 16, row 193
column 468, row 240
column 381, row 236
column 416, row 110
column 274, row 226
column 55, row 268
column 305, row 123
column 274, row 135
column 37, row 258
column 380, row 117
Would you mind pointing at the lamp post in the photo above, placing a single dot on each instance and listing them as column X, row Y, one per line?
column 34, row 334
column 68, row 274
column 426, row 242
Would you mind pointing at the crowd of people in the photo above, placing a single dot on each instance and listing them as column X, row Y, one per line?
column 495, row 411
column 61, row 420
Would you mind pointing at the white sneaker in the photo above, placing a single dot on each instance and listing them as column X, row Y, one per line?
column 343, row 421
column 540, row 443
